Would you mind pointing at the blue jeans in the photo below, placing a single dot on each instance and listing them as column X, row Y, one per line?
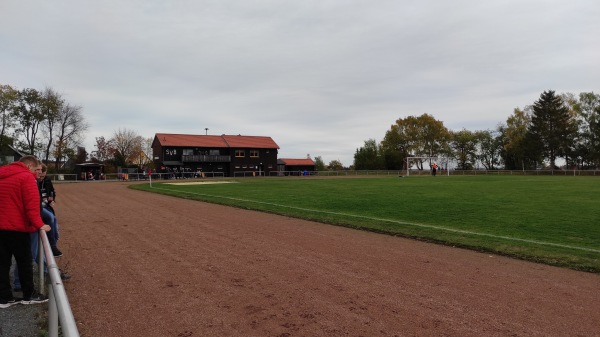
column 50, row 219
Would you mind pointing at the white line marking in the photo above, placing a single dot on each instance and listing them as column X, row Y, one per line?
column 414, row 224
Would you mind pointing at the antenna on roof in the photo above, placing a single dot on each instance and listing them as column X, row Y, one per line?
column 206, row 129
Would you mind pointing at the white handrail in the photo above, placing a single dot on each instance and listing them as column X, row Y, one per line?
column 59, row 308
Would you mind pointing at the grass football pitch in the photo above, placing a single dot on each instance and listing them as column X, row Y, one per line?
column 552, row 220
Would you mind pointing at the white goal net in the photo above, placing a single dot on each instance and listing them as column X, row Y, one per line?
column 420, row 160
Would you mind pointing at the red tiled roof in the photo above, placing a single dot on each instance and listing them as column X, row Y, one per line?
column 297, row 162
column 168, row 139
column 256, row 142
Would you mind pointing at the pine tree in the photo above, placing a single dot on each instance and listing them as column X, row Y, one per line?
column 552, row 127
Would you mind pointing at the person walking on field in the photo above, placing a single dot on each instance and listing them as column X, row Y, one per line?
column 433, row 169
column 19, row 216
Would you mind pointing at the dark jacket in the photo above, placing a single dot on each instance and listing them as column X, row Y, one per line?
column 47, row 189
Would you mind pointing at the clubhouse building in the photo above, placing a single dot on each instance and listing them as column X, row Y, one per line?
column 228, row 155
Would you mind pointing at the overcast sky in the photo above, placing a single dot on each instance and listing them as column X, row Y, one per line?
column 318, row 76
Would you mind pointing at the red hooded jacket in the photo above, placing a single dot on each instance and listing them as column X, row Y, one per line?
column 19, row 199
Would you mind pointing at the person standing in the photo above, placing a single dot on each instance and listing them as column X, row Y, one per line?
column 48, row 195
column 434, row 169
column 19, row 216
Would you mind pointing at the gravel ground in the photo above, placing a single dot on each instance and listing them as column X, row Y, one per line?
column 152, row 265
column 22, row 320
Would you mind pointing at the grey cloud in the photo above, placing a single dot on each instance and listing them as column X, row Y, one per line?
column 320, row 77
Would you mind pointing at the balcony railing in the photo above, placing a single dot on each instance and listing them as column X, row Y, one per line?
column 205, row 159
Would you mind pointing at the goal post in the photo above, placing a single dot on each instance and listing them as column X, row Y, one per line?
column 410, row 160
column 442, row 162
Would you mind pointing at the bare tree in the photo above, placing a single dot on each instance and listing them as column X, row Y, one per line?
column 70, row 126
column 28, row 114
column 145, row 152
column 127, row 144
column 51, row 104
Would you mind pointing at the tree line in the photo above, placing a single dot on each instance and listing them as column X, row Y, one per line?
column 40, row 122
column 563, row 128
column 43, row 123
column 126, row 148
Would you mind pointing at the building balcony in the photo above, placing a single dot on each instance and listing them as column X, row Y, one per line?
column 205, row 159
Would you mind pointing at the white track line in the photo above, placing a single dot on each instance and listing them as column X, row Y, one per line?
column 414, row 224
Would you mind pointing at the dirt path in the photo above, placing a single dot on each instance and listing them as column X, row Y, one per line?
column 152, row 265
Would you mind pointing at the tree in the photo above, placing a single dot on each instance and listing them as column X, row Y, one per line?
column 369, row 157
column 514, row 139
column 105, row 150
column 148, row 151
column 81, row 155
column 464, row 144
column 588, row 110
column 28, row 113
column 50, row 106
column 142, row 154
column 8, row 100
column 573, row 151
column 127, row 144
column 422, row 136
column 70, row 126
column 319, row 163
column 335, row 165
column 394, row 148
column 489, row 148
column 552, row 127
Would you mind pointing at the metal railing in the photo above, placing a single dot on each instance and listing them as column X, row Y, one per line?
column 511, row 172
column 439, row 172
column 59, row 309
column 237, row 174
column 137, row 176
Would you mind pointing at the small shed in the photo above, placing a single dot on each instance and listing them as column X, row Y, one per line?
column 296, row 165
column 89, row 171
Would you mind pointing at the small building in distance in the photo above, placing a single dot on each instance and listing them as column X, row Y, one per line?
column 227, row 155
column 89, row 171
column 292, row 165
column 9, row 154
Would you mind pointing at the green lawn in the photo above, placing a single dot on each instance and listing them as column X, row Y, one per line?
column 554, row 220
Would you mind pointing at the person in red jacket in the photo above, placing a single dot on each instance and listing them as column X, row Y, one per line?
column 19, row 216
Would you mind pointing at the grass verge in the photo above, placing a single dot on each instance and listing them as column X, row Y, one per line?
column 552, row 220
